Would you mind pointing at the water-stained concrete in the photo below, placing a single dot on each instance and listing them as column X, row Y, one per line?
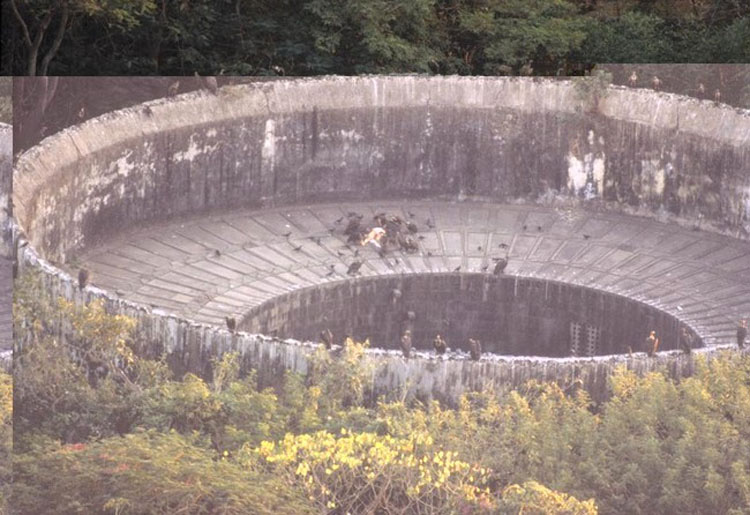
column 148, row 195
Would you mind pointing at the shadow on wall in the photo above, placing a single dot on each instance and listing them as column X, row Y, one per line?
column 509, row 315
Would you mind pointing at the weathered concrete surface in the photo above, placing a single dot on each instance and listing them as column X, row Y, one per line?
column 701, row 279
column 6, row 245
column 306, row 140
column 480, row 141
column 192, row 346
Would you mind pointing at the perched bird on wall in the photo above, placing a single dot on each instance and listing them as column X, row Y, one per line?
column 354, row 267
column 656, row 83
column 406, row 343
column 741, row 333
column 231, row 323
column 83, row 278
column 633, row 79
column 717, row 95
column 701, row 91
column 326, row 336
column 475, row 349
column 500, row 265
column 173, row 88
column 439, row 344
column 686, row 340
column 652, row 343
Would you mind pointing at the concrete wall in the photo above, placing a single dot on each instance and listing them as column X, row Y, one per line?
column 509, row 315
column 191, row 347
column 6, row 244
column 371, row 137
column 349, row 138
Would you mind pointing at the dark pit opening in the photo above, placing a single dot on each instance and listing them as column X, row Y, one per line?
column 509, row 315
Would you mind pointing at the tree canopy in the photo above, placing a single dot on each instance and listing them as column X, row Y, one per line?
column 312, row 37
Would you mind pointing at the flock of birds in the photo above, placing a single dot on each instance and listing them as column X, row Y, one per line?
column 387, row 234
column 656, row 84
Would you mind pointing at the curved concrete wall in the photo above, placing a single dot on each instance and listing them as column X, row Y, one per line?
column 509, row 315
column 6, row 245
column 377, row 137
column 192, row 347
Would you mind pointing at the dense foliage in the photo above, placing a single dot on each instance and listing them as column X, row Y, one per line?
column 102, row 429
column 310, row 37
column 6, row 437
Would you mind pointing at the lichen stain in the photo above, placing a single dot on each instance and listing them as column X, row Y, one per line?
column 576, row 174
column 586, row 176
column 193, row 151
column 653, row 178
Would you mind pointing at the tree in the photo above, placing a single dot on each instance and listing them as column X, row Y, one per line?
column 44, row 23
column 519, row 33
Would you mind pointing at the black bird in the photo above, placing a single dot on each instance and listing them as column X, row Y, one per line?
column 354, row 267
column 287, row 234
column 539, row 228
column 525, row 227
column 479, row 247
column 586, row 236
column 298, row 248
column 326, row 336
column 485, row 267
column 411, row 215
column 420, row 237
column 356, row 252
column 339, row 220
column 429, row 253
column 316, row 239
column 503, row 246
column 217, row 253
column 231, row 323
column 475, row 349
column 430, row 224
column 500, row 266
column 339, row 253
column 329, row 274
column 439, row 345
column 412, row 227
column 406, row 343
column 457, row 269
column 83, row 278
column 147, row 111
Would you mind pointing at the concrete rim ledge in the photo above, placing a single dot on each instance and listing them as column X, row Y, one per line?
column 191, row 345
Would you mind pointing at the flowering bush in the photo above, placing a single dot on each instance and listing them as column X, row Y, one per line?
column 369, row 473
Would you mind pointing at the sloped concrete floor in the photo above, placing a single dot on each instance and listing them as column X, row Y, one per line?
column 205, row 268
